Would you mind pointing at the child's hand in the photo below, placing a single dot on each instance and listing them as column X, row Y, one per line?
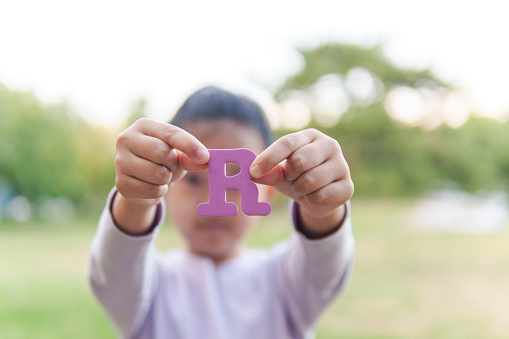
column 309, row 167
column 150, row 155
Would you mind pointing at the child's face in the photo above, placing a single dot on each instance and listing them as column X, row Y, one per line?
column 219, row 238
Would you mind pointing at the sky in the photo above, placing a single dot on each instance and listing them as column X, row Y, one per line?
column 102, row 56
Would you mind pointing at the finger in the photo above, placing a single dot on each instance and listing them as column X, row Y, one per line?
column 280, row 150
column 177, row 175
column 133, row 188
column 305, row 158
column 274, row 177
column 336, row 193
column 159, row 152
column 315, row 179
column 142, row 169
column 187, row 164
column 177, row 138
column 154, row 150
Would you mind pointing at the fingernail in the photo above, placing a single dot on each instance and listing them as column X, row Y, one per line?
column 202, row 154
column 255, row 171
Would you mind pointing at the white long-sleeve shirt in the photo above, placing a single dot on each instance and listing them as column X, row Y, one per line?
column 277, row 293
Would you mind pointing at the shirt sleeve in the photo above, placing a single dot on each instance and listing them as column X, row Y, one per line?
column 123, row 270
column 313, row 272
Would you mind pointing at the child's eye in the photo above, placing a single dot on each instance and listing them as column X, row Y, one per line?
column 193, row 179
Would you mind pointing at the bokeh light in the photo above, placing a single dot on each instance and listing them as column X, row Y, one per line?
column 295, row 110
column 364, row 87
column 330, row 99
column 405, row 104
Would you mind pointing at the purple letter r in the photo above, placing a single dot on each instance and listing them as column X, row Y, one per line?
column 219, row 182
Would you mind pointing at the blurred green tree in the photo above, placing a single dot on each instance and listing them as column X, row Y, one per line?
column 46, row 150
column 388, row 158
column 341, row 58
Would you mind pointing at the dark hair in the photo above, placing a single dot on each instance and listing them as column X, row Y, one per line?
column 215, row 103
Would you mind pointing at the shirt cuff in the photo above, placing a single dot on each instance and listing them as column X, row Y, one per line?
column 157, row 218
column 299, row 225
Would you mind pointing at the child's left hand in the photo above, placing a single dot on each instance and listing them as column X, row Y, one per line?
column 309, row 167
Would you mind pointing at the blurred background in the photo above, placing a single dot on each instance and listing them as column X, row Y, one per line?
column 415, row 93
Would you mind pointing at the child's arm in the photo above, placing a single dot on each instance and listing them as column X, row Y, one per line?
column 123, row 271
column 122, row 267
column 309, row 167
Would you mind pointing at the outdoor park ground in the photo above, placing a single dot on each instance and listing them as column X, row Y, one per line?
column 406, row 284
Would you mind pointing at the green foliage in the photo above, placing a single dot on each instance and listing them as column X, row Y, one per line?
column 389, row 159
column 45, row 150
column 474, row 155
column 383, row 158
column 340, row 58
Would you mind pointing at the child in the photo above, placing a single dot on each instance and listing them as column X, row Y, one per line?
column 216, row 288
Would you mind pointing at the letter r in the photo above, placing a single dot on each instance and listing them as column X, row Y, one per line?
column 219, row 182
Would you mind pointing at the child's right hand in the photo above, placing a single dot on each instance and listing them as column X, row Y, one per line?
column 150, row 155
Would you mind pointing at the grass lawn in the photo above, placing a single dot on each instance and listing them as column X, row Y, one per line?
column 406, row 284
